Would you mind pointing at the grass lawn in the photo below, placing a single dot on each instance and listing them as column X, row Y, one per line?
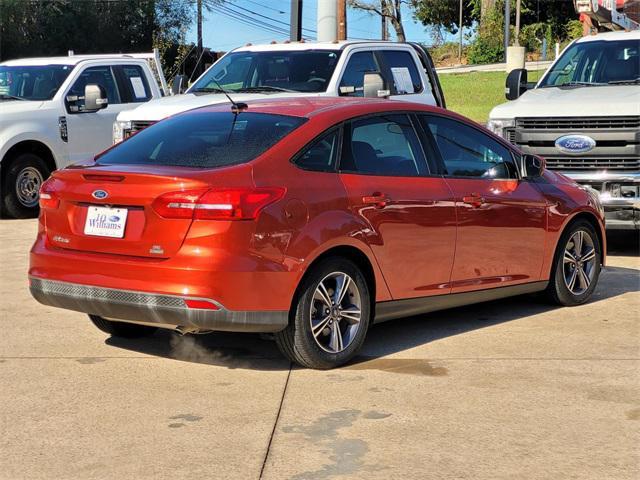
column 475, row 94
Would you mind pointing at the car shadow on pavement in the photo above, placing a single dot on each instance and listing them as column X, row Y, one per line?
column 252, row 351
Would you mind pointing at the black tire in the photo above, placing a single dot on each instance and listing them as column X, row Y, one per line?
column 297, row 341
column 14, row 203
column 558, row 291
column 122, row 329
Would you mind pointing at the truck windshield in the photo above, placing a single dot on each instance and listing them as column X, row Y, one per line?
column 203, row 139
column 32, row 82
column 597, row 62
column 294, row 71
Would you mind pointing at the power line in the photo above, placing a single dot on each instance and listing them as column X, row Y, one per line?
column 265, row 6
column 286, row 24
column 246, row 20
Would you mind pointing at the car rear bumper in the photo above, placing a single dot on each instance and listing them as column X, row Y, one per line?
column 151, row 308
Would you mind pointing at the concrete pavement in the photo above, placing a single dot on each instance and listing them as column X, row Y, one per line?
column 508, row 389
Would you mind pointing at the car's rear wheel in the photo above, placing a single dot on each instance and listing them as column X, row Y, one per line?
column 22, row 183
column 122, row 329
column 330, row 318
column 577, row 265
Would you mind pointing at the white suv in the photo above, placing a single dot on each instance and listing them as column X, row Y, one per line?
column 47, row 122
column 402, row 71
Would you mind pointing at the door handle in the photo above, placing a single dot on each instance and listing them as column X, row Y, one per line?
column 474, row 200
column 377, row 199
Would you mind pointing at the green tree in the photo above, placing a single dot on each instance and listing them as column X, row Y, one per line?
column 31, row 28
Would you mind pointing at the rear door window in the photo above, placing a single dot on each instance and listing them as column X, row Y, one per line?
column 203, row 140
column 321, row 155
column 135, row 83
column 384, row 145
column 403, row 71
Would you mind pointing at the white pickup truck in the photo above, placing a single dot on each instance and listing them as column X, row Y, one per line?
column 58, row 110
column 583, row 116
column 331, row 69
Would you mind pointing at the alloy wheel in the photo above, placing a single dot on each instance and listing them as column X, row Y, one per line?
column 28, row 182
column 579, row 262
column 335, row 312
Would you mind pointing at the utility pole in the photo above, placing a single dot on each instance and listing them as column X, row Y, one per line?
column 342, row 19
column 517, row 32
column 460, row 28
column 199, row 20
column 507, row 24
column 384, row 32
column 295, row 32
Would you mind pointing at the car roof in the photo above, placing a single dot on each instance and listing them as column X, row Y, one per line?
column 69, row 60
column 333, row 109
column 612, row 36
column 301, row 46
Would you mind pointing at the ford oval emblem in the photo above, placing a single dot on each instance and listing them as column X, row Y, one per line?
column 99, row 194
column 114, row 218
column 575, row 144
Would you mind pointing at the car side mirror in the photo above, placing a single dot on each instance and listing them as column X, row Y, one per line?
column 516, row 83
column 179, row 84
column 532, row 166
column 374, row 86
column 95, row 98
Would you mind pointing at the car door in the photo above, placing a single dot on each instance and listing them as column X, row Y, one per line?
column 501, row 218
column 409, row 214
column 91, row 132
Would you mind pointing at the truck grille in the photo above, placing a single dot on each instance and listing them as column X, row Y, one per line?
column 586, row 163
column 136, row 126
column 578, row 123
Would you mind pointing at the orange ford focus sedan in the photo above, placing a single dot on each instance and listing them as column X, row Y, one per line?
column 309, row 218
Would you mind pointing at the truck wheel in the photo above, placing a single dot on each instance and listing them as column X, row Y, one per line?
column 330, row 317
column 21, row 189
column 122, row 329
column 577, row 265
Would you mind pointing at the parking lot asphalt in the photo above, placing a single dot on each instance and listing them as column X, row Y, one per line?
column 508, row 389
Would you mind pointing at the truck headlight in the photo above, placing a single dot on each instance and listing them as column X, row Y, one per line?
column 498, row 125
column 119, row 127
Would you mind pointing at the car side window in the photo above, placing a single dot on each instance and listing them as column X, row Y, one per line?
column 404, row 72
column 102, row 76
column 383, row 145
column 353, row 77
column 321, row 155
column 136, row 83
column 467, row 152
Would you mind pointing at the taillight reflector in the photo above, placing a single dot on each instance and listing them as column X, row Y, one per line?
column 201, row 304
column 218, row 203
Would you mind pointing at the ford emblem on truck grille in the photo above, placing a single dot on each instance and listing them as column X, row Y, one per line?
column 574, row 144
column 99, row 194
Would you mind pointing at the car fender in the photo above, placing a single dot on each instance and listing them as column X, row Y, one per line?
column 311, row 239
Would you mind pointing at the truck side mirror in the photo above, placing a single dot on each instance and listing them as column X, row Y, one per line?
column 374, row 86
column 532, row 166
column 179, row 84
column 516, row 83
column 95, row 98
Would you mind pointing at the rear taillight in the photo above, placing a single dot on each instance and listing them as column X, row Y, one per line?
column 48, row 198
column 217, row 203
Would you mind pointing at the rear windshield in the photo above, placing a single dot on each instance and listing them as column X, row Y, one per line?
column 203, row 140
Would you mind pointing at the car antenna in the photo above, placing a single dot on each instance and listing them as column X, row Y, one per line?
column 236, row 107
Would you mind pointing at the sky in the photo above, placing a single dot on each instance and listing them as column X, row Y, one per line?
column 222, row 33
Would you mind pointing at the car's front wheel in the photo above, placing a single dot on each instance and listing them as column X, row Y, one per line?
column 577, row 265
column 22, row 183
column 330, row 318
column 122, row 329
